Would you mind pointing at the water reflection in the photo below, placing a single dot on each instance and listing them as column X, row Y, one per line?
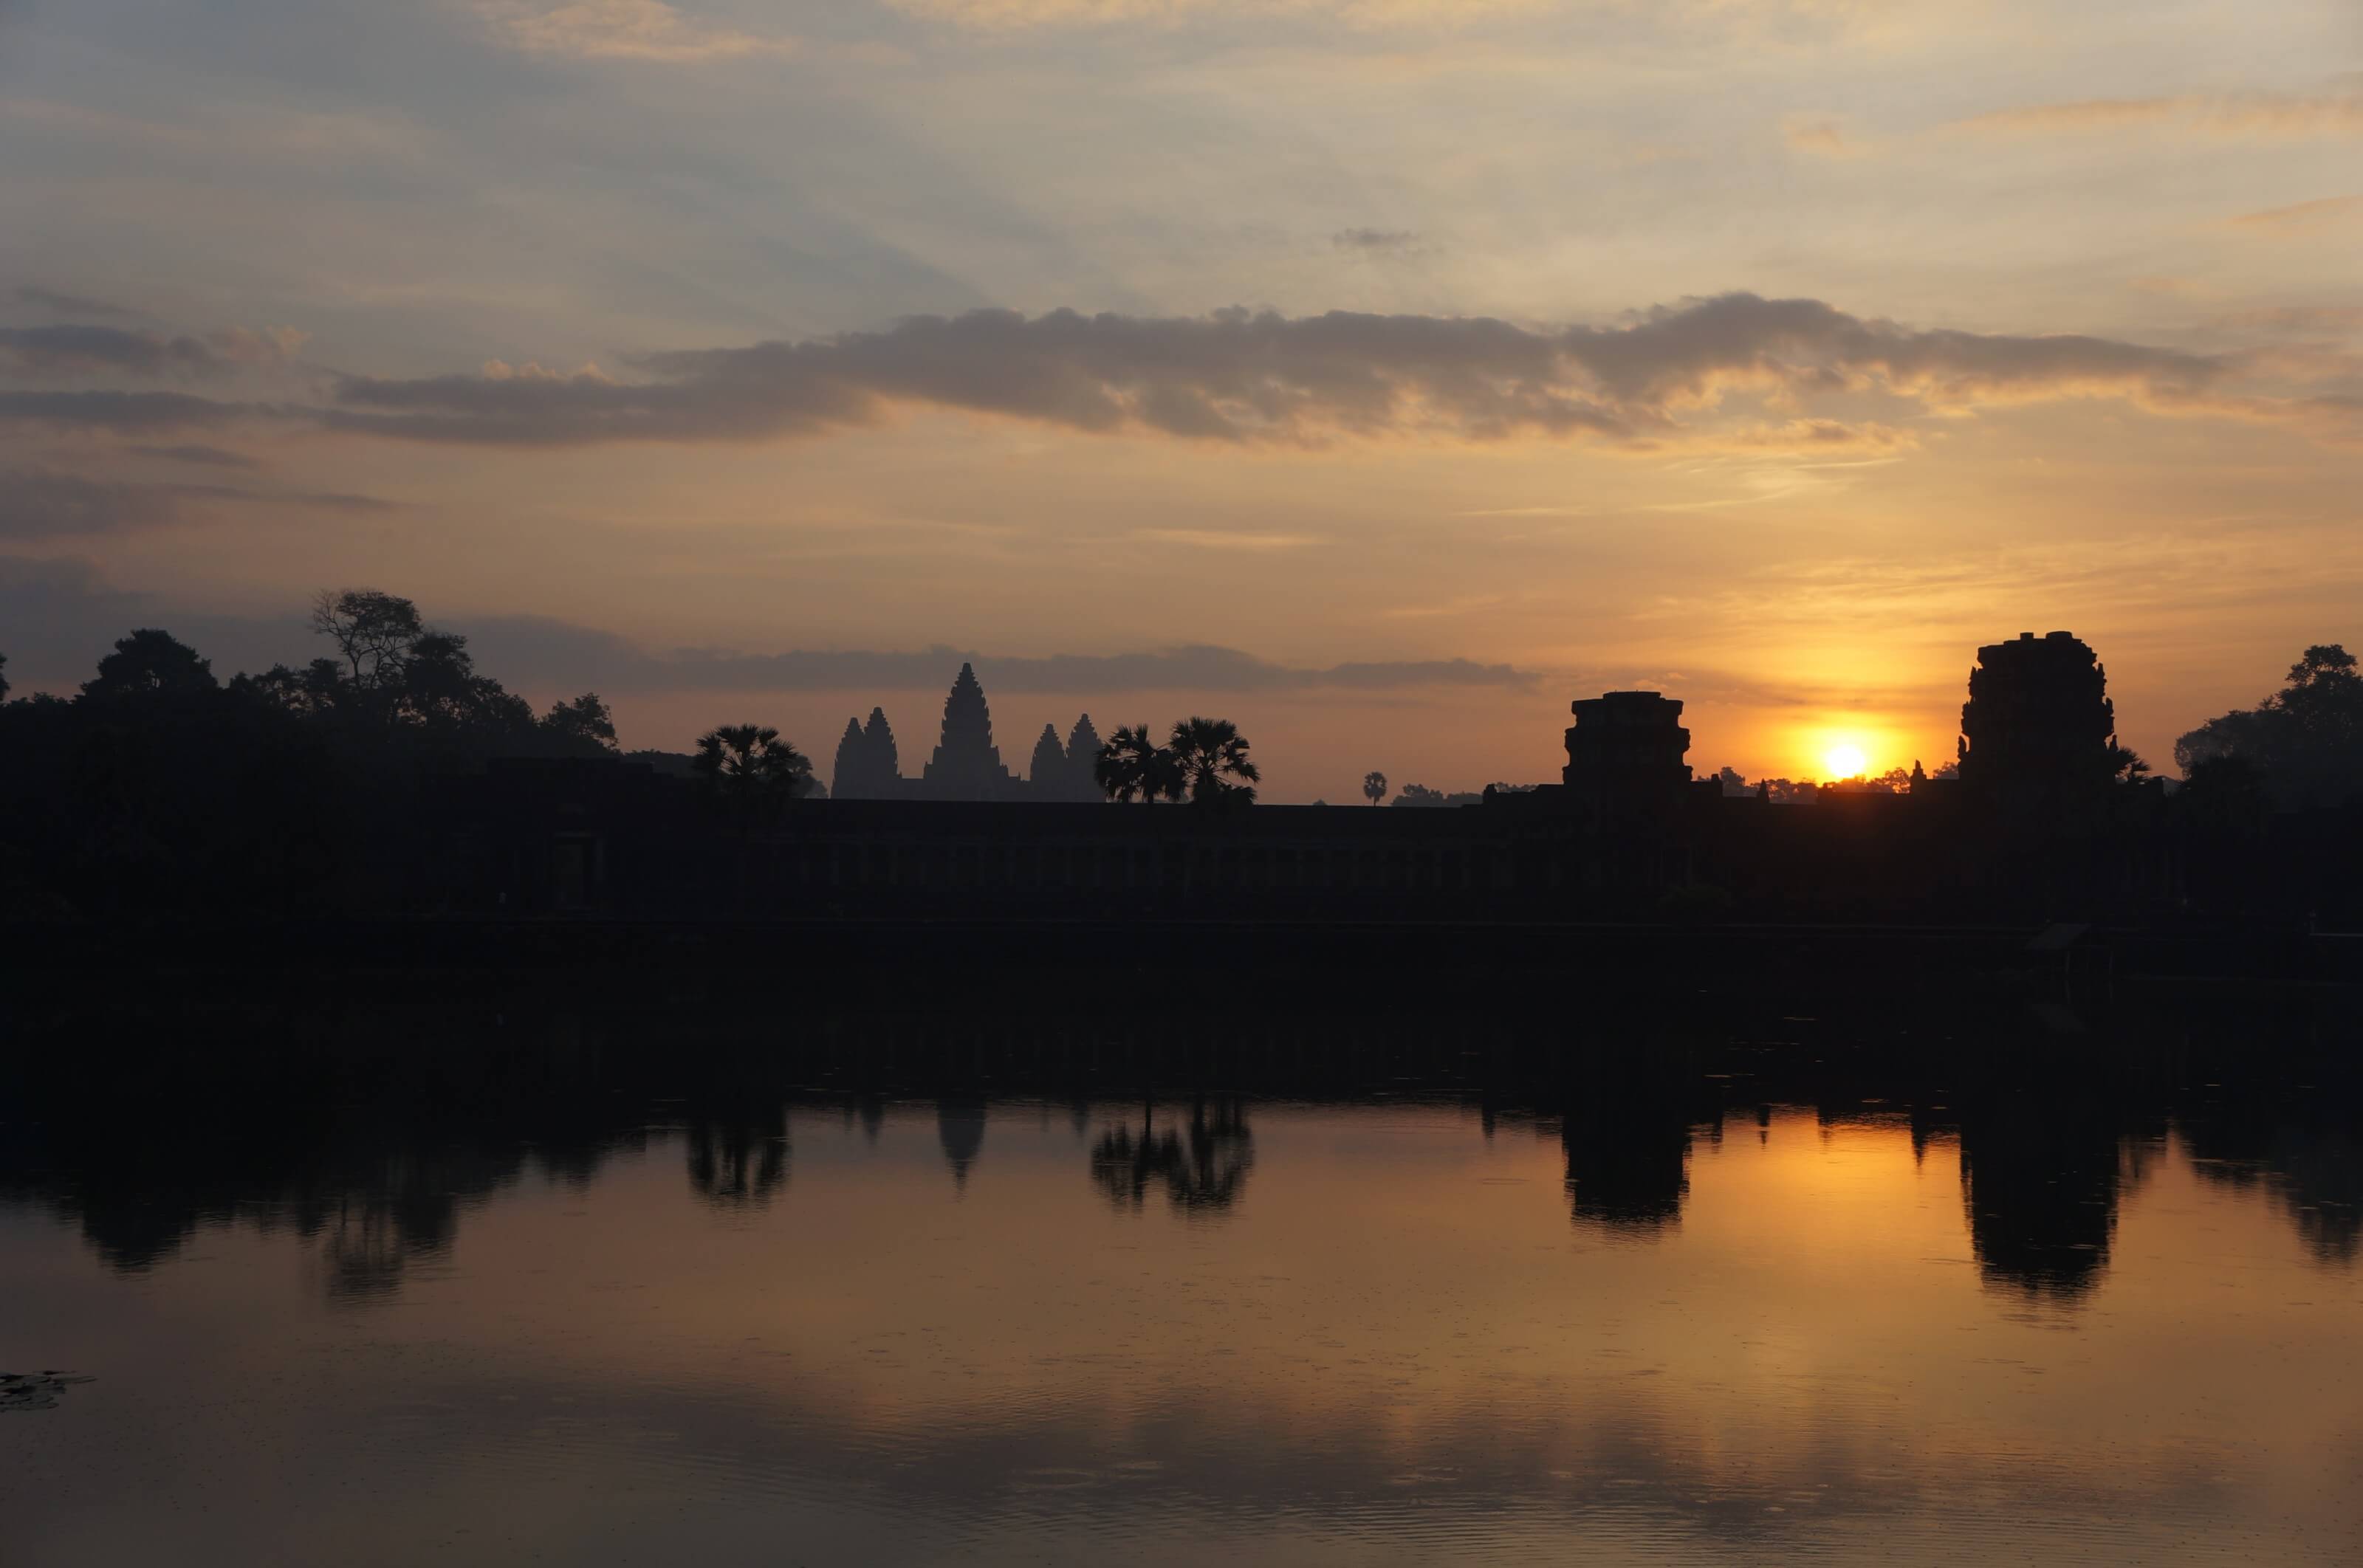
column 959, row 1123
column 375, row 1155
column 1627, row 1136
column 1869, row 1298
column 1203, row 1168
column 740, row 1156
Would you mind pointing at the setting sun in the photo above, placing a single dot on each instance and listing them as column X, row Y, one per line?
column 1845, row 760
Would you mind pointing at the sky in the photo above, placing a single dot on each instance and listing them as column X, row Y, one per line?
column 1380, row 374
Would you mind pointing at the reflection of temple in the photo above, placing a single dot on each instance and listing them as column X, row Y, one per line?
column 1627, row 1161
column 738, row 1159
column 966, row 764
column 959, row 1123
column 2040, row 1177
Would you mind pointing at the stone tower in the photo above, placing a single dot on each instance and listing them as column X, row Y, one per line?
column 849, row 780
column 2038, row 725
column 1048, row 772
column 885, row 762
column 867, row 765
column 967, row 765
column 1625, row 756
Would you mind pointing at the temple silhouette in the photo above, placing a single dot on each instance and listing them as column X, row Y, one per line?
column 966, row 764
column 2046, row 824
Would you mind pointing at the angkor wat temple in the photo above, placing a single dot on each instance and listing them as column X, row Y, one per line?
column 2044, row 824
column 966, row 764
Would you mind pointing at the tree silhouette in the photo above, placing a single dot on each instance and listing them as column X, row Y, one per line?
column 373, row 631
column 1212, row 756
column 2305, row 740
column 440, row 691
column 151, row 663
column 4, row 678
column 750, row 767
column 1374, row 785
column 1131, row 765
column 585, row 723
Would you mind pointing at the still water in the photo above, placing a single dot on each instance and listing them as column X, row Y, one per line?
column 1683, row 1315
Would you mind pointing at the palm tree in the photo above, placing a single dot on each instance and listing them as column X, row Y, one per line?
column 1133, row 767
column 750, row 766
column 1211, row 753
column 1374, row 785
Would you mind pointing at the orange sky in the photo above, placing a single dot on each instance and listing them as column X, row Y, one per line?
column 1773, row 353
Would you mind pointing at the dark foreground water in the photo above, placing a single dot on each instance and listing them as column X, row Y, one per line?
column 491, row 1294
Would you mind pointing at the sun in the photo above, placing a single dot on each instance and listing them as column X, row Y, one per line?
column 1845, row 760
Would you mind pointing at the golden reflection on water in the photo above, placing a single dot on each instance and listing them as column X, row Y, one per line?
column 1396, row 1337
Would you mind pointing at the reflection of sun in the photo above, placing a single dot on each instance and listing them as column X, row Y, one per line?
column 1845, row 760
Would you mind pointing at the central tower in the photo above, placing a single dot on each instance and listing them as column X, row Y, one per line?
column 967, row 765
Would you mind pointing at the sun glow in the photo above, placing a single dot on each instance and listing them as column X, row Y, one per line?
column 1845, row 760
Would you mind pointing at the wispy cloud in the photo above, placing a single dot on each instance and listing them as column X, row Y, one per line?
column 79, row 349
column 623, row 29
column 1696, row 375
column 992, row 15
column 2304, row 216
column 1216, row 539
column 50, row 503
column 1375, row 241
column 200, row 457
column 1241, row 376
column 78, row 306
column 2259, row 115
column 1823, row 136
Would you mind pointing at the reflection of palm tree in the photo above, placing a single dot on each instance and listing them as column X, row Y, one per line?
column 1206, row 1173
column 737, row 1161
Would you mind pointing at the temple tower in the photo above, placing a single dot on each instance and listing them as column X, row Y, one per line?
column 2038, row 725
column 1625, row 756
column 967, row 765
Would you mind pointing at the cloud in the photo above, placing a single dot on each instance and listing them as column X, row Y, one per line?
column 49, row 504
column 39, row 504
column 2304, row 216
column 123, row 413
column 56, row 303
column 622, row 30
column 201, row 456
column 2270, row 115
column 80, row 351
column 313, row 500
column 83, row 349
column 60, row 613
column 1225, row 539
column 1664, row 378
column 1013, row 15
column 526, row 644
column 1372, row 241
column 1823, row 136
column 1244, row 376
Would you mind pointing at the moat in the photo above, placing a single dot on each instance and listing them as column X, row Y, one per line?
column 445, row 1269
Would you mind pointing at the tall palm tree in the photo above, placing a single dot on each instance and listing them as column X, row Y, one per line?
column 1212, row 754
column 1374, row 785
column 1131, row 765
column 751, row 766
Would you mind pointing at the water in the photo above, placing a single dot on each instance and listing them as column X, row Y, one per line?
column 1759, row 1301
